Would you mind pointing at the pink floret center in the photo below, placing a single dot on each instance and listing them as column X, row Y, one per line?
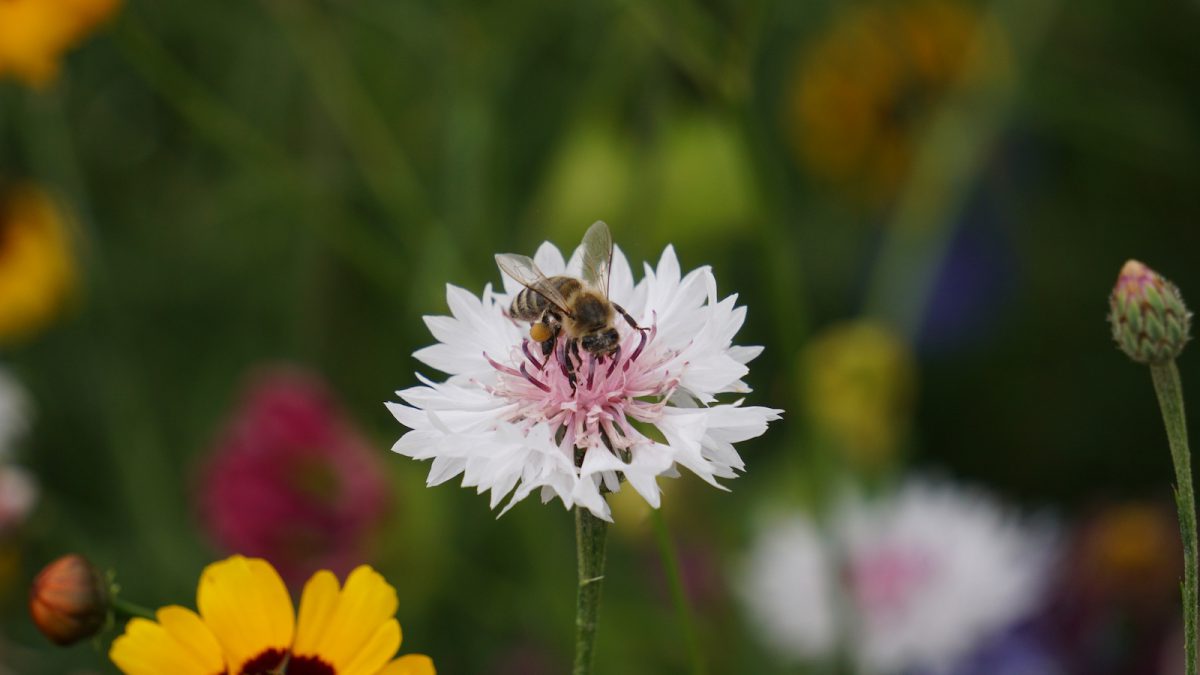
column 590, row 401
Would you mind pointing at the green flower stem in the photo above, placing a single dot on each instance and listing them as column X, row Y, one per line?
column 128, row 610
column 683, row 608
column 1170, row 400
column 590, row 533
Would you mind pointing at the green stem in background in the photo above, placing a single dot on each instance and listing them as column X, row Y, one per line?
column 134, row 450
column 590, row 534
column 384, row 165
column 683, row 607
column 222, row 126
column 386, row 169
column 1170, row 399
column 127, row 610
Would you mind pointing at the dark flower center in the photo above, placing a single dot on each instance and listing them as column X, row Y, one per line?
column 309, row 665
column 266, row 663
column 277, row 662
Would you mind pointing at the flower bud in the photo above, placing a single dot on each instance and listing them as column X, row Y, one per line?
column 69, row 600
column 1149, row 320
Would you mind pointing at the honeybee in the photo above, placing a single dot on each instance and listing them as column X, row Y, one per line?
column 580, row 308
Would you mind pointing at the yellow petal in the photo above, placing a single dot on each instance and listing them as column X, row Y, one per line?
column 193, row 635
column 247, row 606
column 179, row 643
column 376, row 652
column 338, row 632
column 317, row 605
column 410, row 664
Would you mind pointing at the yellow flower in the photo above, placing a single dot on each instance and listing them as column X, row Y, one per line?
column 34, row 33
column 863, row 92
column 247, row 626
column 860, row 385
column 36, row 265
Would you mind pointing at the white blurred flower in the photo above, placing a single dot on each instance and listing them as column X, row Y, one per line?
column 14, row 413
column 18, row 489
column 788, row 586
column 18, row 495
column 924, row 575
column 510, row 422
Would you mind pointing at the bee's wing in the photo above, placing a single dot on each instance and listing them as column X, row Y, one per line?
column 526, row 272
column 597, row 256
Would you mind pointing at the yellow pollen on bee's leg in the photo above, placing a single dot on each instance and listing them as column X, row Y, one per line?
column 540, row 332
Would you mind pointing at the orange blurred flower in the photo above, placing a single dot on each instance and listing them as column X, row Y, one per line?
column 34, row 34
column 862, row 93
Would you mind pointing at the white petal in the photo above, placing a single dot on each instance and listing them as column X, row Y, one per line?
column 549, row 259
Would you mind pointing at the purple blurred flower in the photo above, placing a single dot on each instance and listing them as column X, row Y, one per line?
column 976, row 282
column 1116, row 601
column 291, row 480
column 1021, row 650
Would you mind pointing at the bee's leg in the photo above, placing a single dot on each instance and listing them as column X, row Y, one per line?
column 628, row 318
column 546, row 332
column 552, row 330
column 564, row 362
column 575, row 354
column 543, row 334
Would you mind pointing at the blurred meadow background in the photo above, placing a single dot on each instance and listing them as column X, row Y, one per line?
column 240, row 211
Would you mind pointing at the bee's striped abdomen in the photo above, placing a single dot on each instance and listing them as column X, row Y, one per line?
column 530, row 305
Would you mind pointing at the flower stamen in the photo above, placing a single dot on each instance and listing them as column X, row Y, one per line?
column 616, row 356
column 529, row 355
column 534, row 381
column 501, row 367
column 591, row 371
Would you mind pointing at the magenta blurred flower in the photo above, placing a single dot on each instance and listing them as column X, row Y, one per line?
column 292, row 480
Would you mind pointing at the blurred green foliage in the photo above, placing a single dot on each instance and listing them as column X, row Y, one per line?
column 293, row 180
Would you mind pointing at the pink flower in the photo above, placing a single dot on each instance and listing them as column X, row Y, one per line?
column 291, row 480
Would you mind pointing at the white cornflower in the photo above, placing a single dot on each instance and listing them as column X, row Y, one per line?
column 787, row 583
column 511, row 421
column 915, row 580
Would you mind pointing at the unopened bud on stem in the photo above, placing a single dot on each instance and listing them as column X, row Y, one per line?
column 69, row 600
column 1149, row 320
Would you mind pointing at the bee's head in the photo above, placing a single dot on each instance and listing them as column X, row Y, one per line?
column 602, row 342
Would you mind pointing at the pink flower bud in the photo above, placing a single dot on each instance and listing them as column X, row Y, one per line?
column 1149, row 321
